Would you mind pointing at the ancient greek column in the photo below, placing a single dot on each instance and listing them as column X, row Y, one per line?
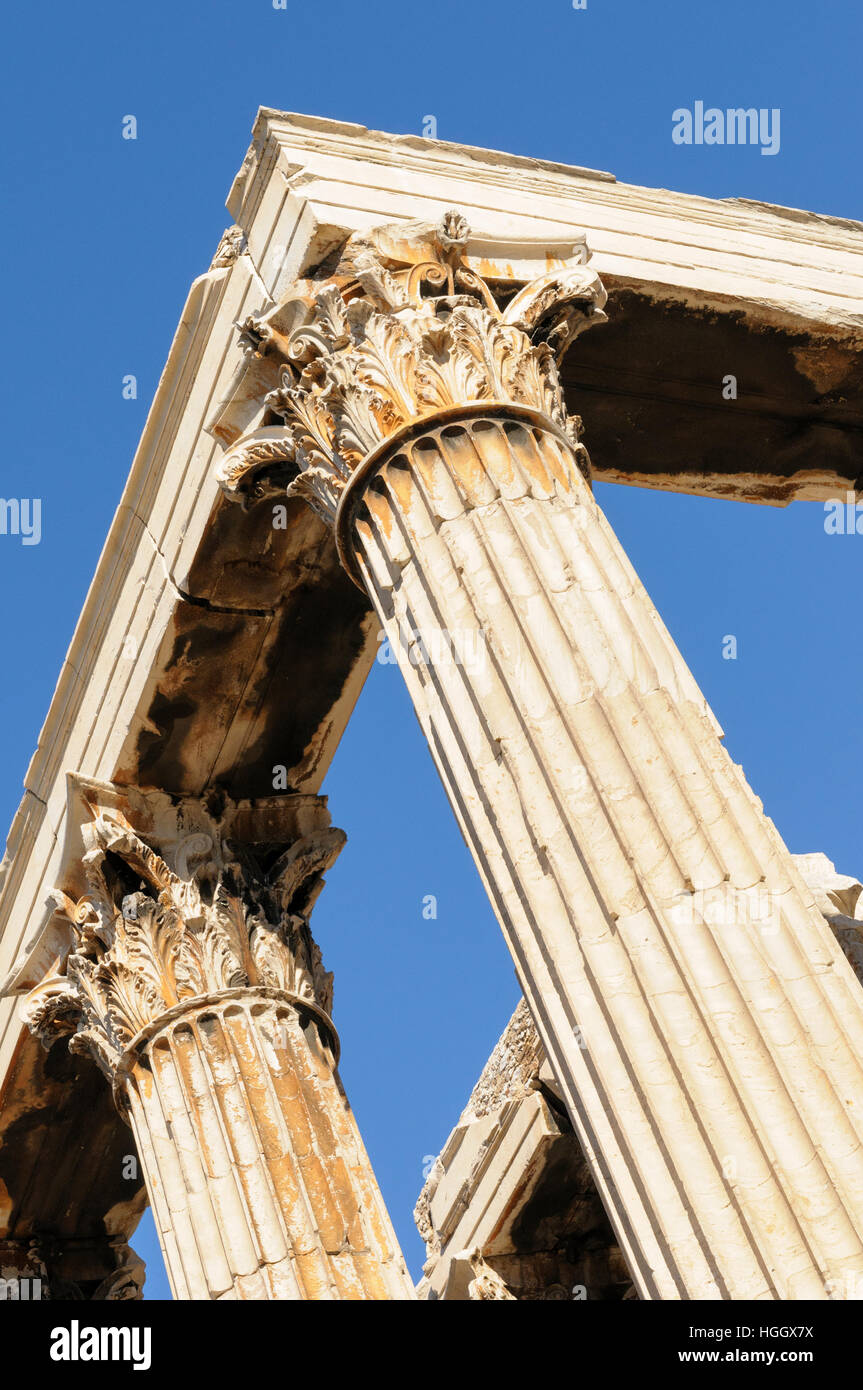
column 192, row 978
column 702, row 1022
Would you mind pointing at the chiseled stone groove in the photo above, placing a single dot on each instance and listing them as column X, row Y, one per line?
column 735, row 1088
column 235, row 1105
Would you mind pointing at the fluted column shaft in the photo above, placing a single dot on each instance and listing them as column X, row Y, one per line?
column 259, row 1181
column 712, row 1068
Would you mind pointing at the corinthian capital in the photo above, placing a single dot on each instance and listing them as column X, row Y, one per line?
column 408, row 327
column 171, row 901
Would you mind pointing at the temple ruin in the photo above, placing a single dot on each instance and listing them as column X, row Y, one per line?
column 371, row 420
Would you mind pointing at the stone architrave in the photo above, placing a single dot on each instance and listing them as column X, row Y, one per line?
column 702, row 1023
column 189, row 972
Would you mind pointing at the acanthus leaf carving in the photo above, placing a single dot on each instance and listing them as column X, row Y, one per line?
column 148, row 937
column 403, row 328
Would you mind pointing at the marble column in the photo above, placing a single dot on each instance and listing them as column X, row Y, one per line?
column 700, row 1018
column 192, row 978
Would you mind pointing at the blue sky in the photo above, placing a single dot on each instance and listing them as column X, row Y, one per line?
column 103, row 237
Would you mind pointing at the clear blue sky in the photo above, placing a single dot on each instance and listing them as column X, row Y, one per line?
column 103, row 237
